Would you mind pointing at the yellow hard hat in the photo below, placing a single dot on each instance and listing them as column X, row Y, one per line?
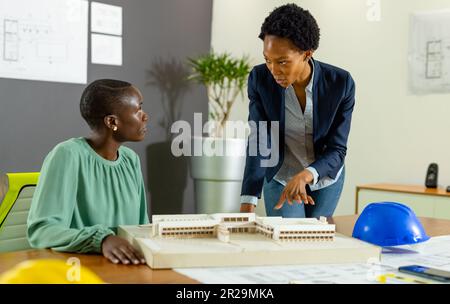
column 50, row 271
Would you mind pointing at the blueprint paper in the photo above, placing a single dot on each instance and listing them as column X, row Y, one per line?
column 300, row 274
column 44, row 40
column 106, row 19
column 429, row 52
column 433, row 253
column 106, row 49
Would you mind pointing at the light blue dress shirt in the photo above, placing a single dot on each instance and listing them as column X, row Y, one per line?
column 299, row 144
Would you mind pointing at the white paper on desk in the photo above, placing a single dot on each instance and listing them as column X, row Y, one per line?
column 434, row 253
column 358, row 273
column 106, row 18
column 106, row 49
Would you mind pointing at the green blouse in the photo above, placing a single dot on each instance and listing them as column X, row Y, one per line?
column 81, row 197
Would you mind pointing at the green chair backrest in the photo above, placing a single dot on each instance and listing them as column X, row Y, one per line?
column 14, row 210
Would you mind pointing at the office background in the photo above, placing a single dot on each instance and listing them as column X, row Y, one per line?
column 394, row 134
column 36, row 115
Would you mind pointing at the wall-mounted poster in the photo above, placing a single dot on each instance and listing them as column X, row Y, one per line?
column 44, row 40
column 429, row 52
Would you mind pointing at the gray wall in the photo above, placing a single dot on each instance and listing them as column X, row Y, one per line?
column 158, row 35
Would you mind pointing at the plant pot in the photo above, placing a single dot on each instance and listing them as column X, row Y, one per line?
column 218, row 178
column 167, row 179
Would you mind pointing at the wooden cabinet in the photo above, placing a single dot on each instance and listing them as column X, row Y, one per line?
column 424, row 201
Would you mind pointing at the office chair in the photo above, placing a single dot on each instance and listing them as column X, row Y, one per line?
column 16, row 192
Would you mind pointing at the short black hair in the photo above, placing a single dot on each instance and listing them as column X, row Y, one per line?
column 100, row 98
column 294, row 23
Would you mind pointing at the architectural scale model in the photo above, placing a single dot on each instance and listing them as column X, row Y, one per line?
column 243, row 239
column 221, row 225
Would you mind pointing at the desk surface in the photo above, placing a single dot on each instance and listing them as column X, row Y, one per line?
column 143, row 274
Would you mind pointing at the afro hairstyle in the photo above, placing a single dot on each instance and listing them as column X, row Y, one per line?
column 294, row 23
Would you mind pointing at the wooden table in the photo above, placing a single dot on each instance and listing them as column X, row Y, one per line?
column 112, row 273
column 109, row 272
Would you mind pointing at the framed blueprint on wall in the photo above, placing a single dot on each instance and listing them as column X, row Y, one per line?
column 429, row 52
column 44, row 40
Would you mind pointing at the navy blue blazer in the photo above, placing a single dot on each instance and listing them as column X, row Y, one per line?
column 333, row 102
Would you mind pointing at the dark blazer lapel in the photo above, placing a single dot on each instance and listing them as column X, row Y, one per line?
column 281, row 97
column 319, row 101
column 277, row 106
column 276, row 102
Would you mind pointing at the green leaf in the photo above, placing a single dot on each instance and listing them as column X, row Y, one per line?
column 222, row 72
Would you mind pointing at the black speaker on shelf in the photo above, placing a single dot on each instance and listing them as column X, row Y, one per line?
column 431, row 180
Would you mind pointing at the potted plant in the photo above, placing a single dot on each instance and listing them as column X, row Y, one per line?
column 218, row 177
column 167, row 174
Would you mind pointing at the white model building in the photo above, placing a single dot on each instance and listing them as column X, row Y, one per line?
column 220, row 225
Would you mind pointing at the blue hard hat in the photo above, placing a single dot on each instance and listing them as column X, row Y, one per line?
column 389, row 224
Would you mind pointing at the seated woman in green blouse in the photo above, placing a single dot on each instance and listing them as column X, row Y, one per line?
column 89, row 186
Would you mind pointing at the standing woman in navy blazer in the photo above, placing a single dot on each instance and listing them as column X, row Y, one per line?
column 313, row 103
